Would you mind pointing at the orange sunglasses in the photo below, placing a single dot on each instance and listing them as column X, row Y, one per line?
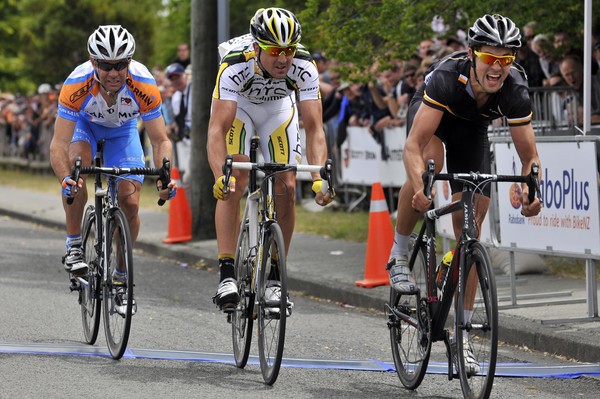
column 491, row 59
column 277, row 51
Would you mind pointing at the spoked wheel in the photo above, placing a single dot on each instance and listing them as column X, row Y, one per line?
column 410, row 327
column 477, row 338
column 241, row 318
column 89, row 295
column 273, row 305
column 118, row 295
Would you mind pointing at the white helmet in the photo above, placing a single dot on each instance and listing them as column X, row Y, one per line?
column 111, row 43
column 44, row 88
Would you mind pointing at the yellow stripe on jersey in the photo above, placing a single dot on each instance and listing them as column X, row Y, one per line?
column 216, row 92
column 520, row 121
column 236, row 138
column 431, row 101
column 279, row 145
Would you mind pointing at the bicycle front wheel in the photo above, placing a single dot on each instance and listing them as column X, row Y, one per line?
column 241, row 318
column 410, row 325
column 118, row 294
column 477, row 327
column 273, row 305
column 89, row 295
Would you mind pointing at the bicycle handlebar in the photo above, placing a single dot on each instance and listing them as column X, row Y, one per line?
column 164, row 173
column 532, row 179
column 325, row 171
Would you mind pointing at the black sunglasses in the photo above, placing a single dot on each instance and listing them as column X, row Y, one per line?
column 107, row 66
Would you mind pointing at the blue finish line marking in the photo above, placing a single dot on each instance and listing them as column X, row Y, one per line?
column 556, row 370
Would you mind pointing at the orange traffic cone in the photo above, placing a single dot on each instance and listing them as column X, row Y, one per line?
column 180, row 214
column 379, row 241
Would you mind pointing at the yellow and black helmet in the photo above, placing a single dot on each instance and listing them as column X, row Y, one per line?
column 275, row 27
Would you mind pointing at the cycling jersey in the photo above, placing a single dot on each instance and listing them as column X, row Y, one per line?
column 265, row 106
column 447, row 88
column 80, row 97
column 464, row 126
column 80, row 101
column 240, row 75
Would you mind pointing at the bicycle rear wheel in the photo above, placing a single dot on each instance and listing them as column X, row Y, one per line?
column 271, row 323
column 241, row 318
column 118, row 298
column 89, row 295
column 411, row 341
column 477, row 338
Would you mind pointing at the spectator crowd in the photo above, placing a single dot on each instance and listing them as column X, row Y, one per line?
column 548, row 60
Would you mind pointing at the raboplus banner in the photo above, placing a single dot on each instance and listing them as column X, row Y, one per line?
column 569, row 221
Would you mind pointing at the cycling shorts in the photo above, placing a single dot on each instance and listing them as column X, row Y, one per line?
column 275, row 122
column 467, row 145
column 122, row 145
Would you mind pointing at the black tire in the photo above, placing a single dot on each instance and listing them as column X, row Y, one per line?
column 117, row 326
column 411, row 346
column 241, row 318
column 271, row 327
column 89, row 296
column 481, row 331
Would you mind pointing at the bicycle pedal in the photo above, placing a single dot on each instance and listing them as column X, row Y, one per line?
column 228, row 308
column 74, row 286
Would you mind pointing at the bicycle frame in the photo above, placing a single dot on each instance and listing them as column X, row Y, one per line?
column 260, row 208
column 440, row 304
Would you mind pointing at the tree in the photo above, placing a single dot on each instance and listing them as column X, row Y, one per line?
column 204, row 70
column 357, row 31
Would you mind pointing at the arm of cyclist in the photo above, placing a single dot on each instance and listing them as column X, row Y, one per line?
column 161, row 148
column 59, row 156
column 418, row 149
column 524, row 139
column 221, row 119
column 316, row 147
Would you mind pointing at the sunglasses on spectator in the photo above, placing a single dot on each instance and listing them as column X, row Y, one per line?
column 491, row 59
column 277, row 51
column 409, row 75
column 107, row 66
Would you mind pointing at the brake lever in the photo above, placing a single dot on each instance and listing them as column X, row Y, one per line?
column 165, row 177
column 427, row 177
column 227, row 168
column 75, row 171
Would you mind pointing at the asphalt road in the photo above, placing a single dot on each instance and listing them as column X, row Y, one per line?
column 175, row 313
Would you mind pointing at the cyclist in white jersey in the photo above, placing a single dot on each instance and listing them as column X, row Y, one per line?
column 264, row 79
column 102, row 99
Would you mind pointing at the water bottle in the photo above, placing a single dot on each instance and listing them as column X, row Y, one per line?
column 443, row 269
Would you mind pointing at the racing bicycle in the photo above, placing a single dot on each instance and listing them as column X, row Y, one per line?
column 107, row 246
column 260, row 248
column 416, row 321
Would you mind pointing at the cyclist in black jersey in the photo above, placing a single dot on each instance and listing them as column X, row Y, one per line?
column 453, row 107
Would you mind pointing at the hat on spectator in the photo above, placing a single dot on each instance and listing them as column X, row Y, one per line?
column 174, row 69
column 44, row 88
column 318, row 56
column 343, row 86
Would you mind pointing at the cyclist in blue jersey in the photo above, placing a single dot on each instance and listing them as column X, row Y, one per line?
column 452, row 109
column 102, row 99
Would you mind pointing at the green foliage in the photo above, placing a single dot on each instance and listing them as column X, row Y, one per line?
column 43, row 40
column 46, row 39
column 175, row 28
column 357, row 32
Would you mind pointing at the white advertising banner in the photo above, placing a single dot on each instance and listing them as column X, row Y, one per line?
column 361, row 158
column 569, row 221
